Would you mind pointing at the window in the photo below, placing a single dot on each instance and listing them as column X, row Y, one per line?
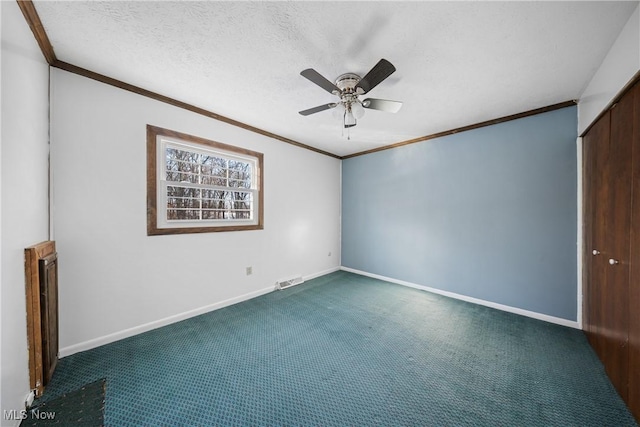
column 195, row 185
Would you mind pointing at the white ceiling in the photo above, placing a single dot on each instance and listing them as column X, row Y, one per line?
column 458, row 63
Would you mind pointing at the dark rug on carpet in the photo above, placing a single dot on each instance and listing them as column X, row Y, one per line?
column 83, row 407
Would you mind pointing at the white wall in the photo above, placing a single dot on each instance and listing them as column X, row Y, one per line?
column 24, row 189
column 618, row 67
column 115, row 280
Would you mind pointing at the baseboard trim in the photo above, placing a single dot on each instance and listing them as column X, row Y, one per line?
column 126, row 333
column 515, row 310
column 321, row 273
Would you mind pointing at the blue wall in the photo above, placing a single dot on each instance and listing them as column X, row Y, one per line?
column 489, row 213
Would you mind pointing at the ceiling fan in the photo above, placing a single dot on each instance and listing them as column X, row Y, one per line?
column 349, row 87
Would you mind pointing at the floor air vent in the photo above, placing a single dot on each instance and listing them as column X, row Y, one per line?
column 283, row 284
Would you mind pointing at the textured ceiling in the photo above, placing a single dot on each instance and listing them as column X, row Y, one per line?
column 458, row 63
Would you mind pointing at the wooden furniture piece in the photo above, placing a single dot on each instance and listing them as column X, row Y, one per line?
column 611, row 275
column 41, row 269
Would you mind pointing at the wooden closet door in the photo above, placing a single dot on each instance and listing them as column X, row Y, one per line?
column 617, row 239
column 596, row 142
column 634, row 261
column 587, row 231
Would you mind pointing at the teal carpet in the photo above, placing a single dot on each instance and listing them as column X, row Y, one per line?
column 349, row 350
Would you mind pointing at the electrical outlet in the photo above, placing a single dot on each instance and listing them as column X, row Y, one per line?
column 249, row 271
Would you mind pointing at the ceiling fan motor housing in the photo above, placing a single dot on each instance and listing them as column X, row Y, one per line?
column 347, row 82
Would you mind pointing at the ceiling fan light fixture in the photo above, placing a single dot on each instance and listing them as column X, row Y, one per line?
column 349, row 118
column 357, row 109
column 338, row 112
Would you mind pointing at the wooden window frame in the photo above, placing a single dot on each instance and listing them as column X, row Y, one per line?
column 154, row 135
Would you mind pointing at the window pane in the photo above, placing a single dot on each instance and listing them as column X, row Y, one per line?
column 171, row 170
column 213, row 171
column 180, row 202
column 176, row 191
column 185, row 177
column 238, row 165
column 183, row 214
column 242, row 205
column 213, row 214
column 210, row 180
column 173, row 176
column 212, row 204
column 206, row 170
column 239, row 170
column 186, row 203
column 182, row 155
column 171, row 165
column 170, row 153
column 236, row 183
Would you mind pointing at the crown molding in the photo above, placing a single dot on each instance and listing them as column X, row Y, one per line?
column 467, row 128
column 31, row 16
column 180, row 104
column 635, row 79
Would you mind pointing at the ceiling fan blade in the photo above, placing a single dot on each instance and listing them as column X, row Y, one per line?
column 382, row 105
column 318, row 79
column 378, row 73
column 318, row 109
